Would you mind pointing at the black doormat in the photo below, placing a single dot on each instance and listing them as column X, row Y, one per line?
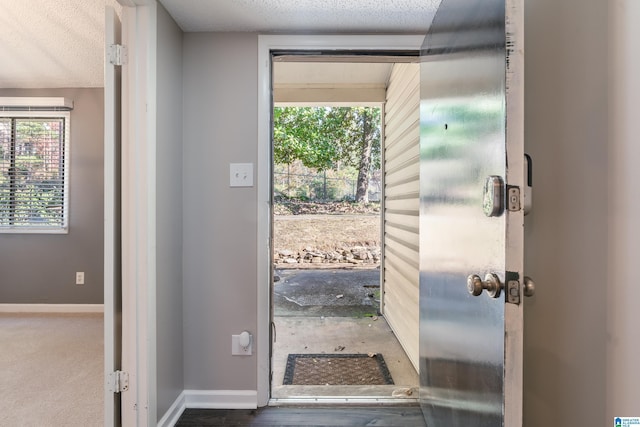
column 336, row 369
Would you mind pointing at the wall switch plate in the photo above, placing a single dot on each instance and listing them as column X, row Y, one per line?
column 241, row 175
column 237, row 349
column 79, row 277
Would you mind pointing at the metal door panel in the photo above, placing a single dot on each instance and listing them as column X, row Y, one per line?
column 465, row 348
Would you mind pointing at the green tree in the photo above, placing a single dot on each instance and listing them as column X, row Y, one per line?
column 324, row 137
column 303, row 134
column 359, row 144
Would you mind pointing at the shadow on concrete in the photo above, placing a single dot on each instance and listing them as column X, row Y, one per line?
column 328, row 293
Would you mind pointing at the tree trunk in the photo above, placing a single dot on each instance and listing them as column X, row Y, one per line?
column 362, row 192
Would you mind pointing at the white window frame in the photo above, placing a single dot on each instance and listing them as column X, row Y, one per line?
column 45, row 114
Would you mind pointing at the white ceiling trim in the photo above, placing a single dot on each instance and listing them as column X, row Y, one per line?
column 330, row 85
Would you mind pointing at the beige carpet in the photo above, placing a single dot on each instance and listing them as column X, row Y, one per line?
column 51, row 370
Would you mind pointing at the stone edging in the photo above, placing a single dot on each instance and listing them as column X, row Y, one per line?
column 355, row 255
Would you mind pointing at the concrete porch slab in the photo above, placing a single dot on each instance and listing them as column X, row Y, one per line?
column 341, row 335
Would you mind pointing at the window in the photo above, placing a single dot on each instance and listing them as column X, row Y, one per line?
column 34, row 148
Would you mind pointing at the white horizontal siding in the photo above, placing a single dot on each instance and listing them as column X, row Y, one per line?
column 408, row 235
column 401, row 206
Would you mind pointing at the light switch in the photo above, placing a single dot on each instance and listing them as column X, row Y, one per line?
column 241, row 175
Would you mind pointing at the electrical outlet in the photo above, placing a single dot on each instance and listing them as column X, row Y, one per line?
column 239, row 350
column 79, row 277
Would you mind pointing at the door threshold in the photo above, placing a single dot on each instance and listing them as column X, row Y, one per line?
column 342, row 400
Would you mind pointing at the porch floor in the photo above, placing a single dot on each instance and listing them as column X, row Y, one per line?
column 310, row 318
column 341, row 335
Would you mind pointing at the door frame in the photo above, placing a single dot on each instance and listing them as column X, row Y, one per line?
column 514, row 134
column 266, row 44
column 139, row 35
column 138, row 222
column 112, row 253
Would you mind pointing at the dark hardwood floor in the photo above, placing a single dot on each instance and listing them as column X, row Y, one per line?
column 387, row 416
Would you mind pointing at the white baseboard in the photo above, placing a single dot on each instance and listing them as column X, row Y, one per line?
column 51, row 308
column 172, row 415
column 221, row 399
column 208, row 399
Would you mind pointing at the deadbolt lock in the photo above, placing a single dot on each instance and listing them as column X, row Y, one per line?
column 492, row 198
column 491, row 282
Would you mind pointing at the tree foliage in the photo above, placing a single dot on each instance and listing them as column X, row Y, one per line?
column 327, row 137
column 301, row 134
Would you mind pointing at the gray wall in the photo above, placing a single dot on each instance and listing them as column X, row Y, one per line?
column 40, row 268
column 170, row 376
column 623, row 373
column 566, row 233
column 220, row 223
column 566, row 357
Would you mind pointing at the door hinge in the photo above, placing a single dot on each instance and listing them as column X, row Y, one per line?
column 513, row 198
column 117, row 54
column 118, row 381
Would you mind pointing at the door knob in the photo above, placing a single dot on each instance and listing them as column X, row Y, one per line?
column 529, row 287
column 491, row 282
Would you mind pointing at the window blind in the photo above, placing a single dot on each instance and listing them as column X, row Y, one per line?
column 33, row 184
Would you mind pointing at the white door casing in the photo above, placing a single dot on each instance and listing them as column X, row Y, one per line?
column 267, row 43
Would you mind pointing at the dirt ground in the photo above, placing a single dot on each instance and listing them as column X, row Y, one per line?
column 325, row 232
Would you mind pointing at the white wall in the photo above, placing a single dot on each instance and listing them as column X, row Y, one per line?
column 220, row 223
column 623, row 345
column 169, row 313
column 566, row 232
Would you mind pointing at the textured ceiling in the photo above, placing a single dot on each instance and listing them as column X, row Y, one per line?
column 376, row 16
column 52, row 43
column 59, row 43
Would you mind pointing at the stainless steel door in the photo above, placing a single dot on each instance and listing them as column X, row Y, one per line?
column 471, row 217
